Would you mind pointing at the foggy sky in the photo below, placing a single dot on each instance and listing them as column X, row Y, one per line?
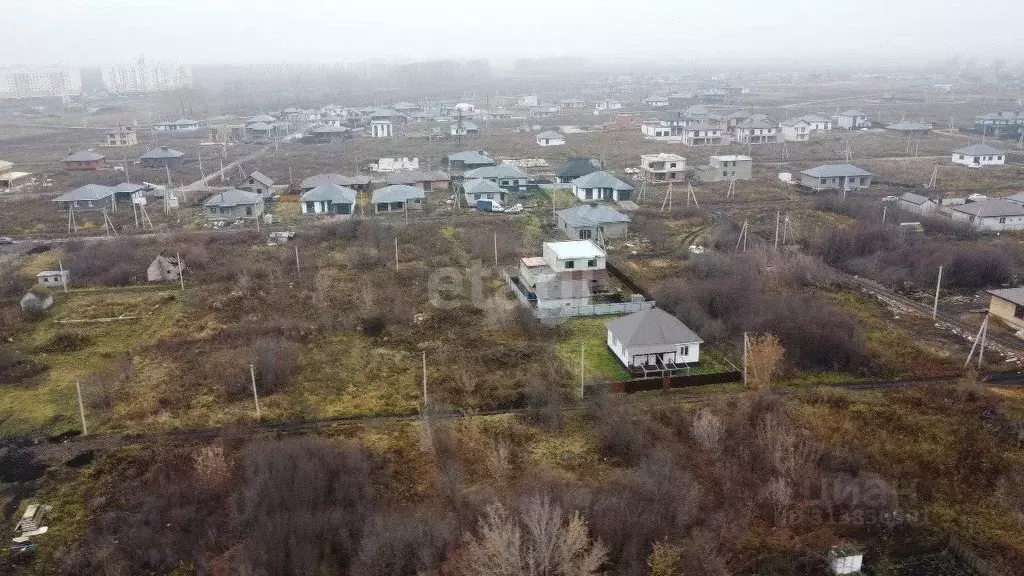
column 91, row 32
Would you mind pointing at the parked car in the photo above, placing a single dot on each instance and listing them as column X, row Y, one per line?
column 6, row 240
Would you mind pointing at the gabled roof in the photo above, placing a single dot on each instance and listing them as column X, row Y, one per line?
column 978, row 150
column 87, row 192
column 128, row 188
column 326, row 129
column 331, row 193
column 758, row 121
column 851, row 112
column 262, row 118
column 472, row 158
column 909, row 126
column 915, row 199
column 1015, row 295
column 814, row 118
column 84, row 156
column 233, row 197
column 163, row 152
column 261, row 178
column 794, row 121
column 591, row 215
column 550, row 135
column 481, row 186
column 651, row 327
column 836, row 170
column 498, row 171
column 397, row 193
column 1018, row 198
column 576, row 167
column 600, row 179
column 340, row 180
column 993, row 208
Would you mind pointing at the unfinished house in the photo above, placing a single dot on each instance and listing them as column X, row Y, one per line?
column 467, row 160
column 165, row 269
column 758, row 129
column 11, row 180
column 601, row 185
column 88, row 197
column 703, row 134
column 909, row 128
column 730, row 167
column 843, row 177
column 663, row 167
column 397, row 198
column 328, row 199
column 669, row 128
column 259, row 183
column 330, row 133
column 122, row 136
column 999, row 124
column 795, row 130
column 592, row 221
column 575, row 167
column 653, row 342
column 851, row 120
column 233, row 204
column 979, row 155
column 507, row 176
column 162, row 157
column 85, row 160
column 566, row 276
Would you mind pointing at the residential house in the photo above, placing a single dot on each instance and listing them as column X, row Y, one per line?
column 543, row 111
column 383, row 127
column 53, row 278
column 129, row 191
column 550, row 138
column 568, row 275
column 916, row 203
column 176, row 125
column 990, row 215
column 851, row 120
column 480, row 189
column 662, row 167
column 601, row 185
column 165, row 269
column 795, row 130
column 397, row 198
column 259, row 183
column 592, row 221
column 122, row 136
column 85, row 160
column 162, row 157
column 818, row 123
column 909, row 128
column 576, row 167
column 392, row 164
column 653, row 341
column 703, row 134
column 358, row 183
column 979, row 155
column 233, row 204
column 327, row 133
column 697, row 112
column 1008, row 306
column 656, row 101
column 680, row 99
column 464, row 128
column 669, row 128
column 328, row 199
column 507, row 176
column 758, row 129
column 845, row 177
column 712, row 95
column 11, row 180
column 260, row 131
column 528, row 101
column 88, row 197
column 571, row 104
column 467, row 160
column 425, row 179
column 999, row 124
column 606, row 105
column 726, row 168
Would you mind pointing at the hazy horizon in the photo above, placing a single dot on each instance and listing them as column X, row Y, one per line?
column 103, row 32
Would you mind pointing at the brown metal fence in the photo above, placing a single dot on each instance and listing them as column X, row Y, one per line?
column 649, row 384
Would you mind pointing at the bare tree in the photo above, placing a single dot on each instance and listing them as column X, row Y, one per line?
column 707, row 430
column 764, row 360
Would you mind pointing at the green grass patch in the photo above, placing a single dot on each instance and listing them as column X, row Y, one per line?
column 599, row 363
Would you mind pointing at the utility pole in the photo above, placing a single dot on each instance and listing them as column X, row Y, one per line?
column 980, row 338
column 396, row 252
column 495, row 249
column 778, row 220
column 81, row 408
column 63, row 281
column 582, row 368
column 935, row 306
column 424, row 379
column 255, row 396
column 298, row 271
column 746, row 350
column 885, row 208
column 181, row 272
column 201, row 173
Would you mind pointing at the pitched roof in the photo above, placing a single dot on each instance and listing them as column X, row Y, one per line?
column 397, row 193
column 326, row 129
column 576, row 167
column 651, row 327
column 1015, row 295
column 912, row 198
column 233, row 197
column 259, row 126
column 262, row 118
column 330, row 192
column 84, row 156
column 472, row 158
column 591, row 215
column 162, row 152
column 600, row 179
column 498, row 171
column 851, row 112
column 993, row 208
column 978, row 150
column 1018, row 198
column 261, row 178
column 415, row 176
column 909, row 126
column 835, row 170
column 481, row 186
column 550, row 135
column 814, row 118
column 757, row 121
column 128, row 188
column 340, row 180
column 793, row 121
column 87, row 192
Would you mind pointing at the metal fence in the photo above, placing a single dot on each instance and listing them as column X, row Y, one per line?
column 649, row 384
column 594, row 309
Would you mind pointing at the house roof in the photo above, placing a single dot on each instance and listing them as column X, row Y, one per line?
column 993, row 208
column 663, row 157
column 5, row 165
column 397, row 193
column 1018, row 198
column 340, row 180
column 472, row 158
column 600, row 179
column 414, row 176
column 162, row 152
column 978, row 150
column 261, row 178
column 233, row 197
column 261, row 118
column 813, row 118
column 330, row 192
column 757, row 122
column 912, row 198
column 576, row 167
column 1015, row 295
column 851, row 112
column 128, row 188
column 651, row 327
column 466, row 125
column 793, row 121
column 836, row 170
column 259, row 126
column 909, row 126
column 591, row 215
column 325, row 129
column 87, row 192
column 575, row 249
column 84, row 156
column 550, row 135
column 481, row 186
column 497, row 171
column 730, row 158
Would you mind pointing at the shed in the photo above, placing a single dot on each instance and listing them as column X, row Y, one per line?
column 53, row 278
column 550, row 138
column 653, row 339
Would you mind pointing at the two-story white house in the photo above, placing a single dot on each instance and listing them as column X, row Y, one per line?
column 567, row 275
column 852, row 120
column 795, row 130
column 663, row 167
column 758, row 129
column 703, row 134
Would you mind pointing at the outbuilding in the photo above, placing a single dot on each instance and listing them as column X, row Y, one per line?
column 1008, row 305
column 165, row 269
column 550, row 138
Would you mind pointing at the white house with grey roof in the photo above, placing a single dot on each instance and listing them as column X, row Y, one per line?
column 795, row 130
column 467, row 160
column 992, row 215
column 88, row 197
column 161, row 157
column 357, row 182
column 592, row 222
column 601, row 185
column 916, row 203
column 851, row 120
column 507, row 176
column 550, row 138
column 979, row 155
column 397, row 198
column 328, row 199
column 653, row 341
column 233, row 204
column 480, row 189
column 843, row 177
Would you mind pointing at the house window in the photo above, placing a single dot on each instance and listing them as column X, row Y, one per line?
column 725, row 172
column 586, row 233
column 592, row 263
column 248, row 210
column 1002, row 220
column 685, row 351
column 999, row 158
column 569, row 264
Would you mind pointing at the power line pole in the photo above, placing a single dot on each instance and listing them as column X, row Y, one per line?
column 255, row 396
column 298, row 271
column 495, row 249
column 582, row 368
column 181, row 272
column 778, row 219
column 81, row 408
column 746, row 351
column 935, row 306
column 424, row 379
column 396, row 252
